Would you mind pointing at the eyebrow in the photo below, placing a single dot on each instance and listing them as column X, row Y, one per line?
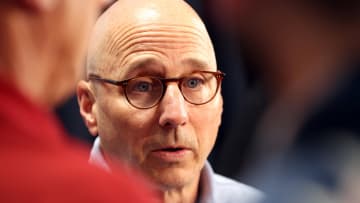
column 197, row 64
column 145, row 66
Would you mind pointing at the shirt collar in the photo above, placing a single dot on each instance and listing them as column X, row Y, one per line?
column 96, row 156
column 207, row 191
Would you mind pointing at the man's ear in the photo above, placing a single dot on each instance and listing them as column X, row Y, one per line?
column 86, row 101
column 39, row 5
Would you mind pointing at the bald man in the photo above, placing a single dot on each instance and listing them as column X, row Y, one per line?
column 153, row 98
column 43, row 45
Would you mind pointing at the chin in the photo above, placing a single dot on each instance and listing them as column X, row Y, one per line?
column 173, row 178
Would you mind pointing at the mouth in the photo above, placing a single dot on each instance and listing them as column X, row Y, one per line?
column 171, row 153
column 171, row 149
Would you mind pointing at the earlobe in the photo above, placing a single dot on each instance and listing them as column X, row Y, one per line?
column 86, row 101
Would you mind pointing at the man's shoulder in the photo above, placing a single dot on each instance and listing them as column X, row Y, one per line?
column 229, row 190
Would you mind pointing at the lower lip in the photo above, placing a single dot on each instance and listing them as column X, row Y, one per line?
column 171, row 156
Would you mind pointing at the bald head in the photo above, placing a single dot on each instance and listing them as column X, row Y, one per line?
column 118, row 30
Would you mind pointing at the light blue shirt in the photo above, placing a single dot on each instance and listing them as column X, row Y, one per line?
column 214, row 188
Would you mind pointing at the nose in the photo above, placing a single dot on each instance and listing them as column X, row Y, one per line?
column 173, row 108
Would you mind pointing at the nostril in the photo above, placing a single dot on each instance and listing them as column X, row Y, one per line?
column 169, row 124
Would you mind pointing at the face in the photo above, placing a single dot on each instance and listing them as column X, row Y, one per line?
column 171, row 141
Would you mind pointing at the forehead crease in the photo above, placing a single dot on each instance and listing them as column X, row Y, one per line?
column 155, row 34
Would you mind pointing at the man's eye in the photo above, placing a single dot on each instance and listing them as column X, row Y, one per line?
column 193, row 82
column 142, row 86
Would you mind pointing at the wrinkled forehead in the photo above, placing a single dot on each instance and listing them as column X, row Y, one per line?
column 175, row 43
column 151, row 32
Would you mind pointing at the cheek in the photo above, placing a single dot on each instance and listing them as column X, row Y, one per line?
column 125, row 131
column 207, row 125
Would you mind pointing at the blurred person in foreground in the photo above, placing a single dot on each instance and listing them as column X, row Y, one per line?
column 153, row 97
column 43, row 44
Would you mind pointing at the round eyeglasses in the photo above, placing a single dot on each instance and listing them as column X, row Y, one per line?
column 145, row 92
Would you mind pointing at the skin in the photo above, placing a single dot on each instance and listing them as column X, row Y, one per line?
column 44, row 45
column 165, row 39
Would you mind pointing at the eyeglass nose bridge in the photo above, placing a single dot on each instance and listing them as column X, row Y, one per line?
column 165, row 81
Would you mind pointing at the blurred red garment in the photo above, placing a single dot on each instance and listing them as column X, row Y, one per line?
column 40, row 164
